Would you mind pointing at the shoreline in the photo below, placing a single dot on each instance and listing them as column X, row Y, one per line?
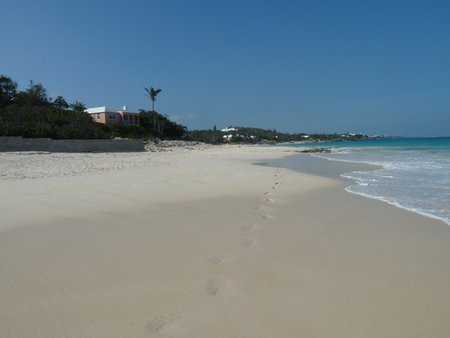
column 204, row 243
column 355, row 166
column 398, row 205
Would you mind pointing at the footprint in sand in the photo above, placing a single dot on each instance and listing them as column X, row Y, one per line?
column 267, row 216
column 215, row 286
column 270, row 200
column 219, row 259
column 251, row 227
column 160, row 322
column 247, row 242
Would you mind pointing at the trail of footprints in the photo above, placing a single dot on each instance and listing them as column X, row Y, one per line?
column 217, row 285
column 268, row 195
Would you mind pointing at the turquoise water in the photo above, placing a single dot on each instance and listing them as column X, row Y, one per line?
column 415, row 174
column 431, row 144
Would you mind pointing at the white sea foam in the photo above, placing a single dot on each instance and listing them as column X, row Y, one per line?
column 412, row 178
column 398, row 205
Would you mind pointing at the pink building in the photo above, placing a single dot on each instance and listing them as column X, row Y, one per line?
column 106, row 115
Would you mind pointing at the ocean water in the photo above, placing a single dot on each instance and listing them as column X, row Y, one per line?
column 415, row 172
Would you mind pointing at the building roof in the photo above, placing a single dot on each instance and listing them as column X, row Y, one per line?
column 105, row 109
column 95, row 110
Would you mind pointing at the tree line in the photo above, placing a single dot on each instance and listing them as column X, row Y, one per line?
column 33, row 113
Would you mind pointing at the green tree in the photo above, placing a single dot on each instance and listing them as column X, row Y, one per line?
column 60, row 103
column 35, row 95
column 160, row 126
column 78, row 106
column 8, row 89
column 152, row 93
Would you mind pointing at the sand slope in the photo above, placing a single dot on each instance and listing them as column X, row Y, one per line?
column 205, row 244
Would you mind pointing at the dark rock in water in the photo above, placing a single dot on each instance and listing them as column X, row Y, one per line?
column 317, row 150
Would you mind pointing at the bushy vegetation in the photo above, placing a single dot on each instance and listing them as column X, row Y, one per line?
column 205, row 136
column 157, row 125
column 32, row 113
column 258, row 135
column 47, row 121
column 240, row 135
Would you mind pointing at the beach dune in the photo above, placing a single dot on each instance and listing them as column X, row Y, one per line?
column 205, row 243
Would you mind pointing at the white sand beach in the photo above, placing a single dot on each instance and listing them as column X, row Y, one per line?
column 204, row 243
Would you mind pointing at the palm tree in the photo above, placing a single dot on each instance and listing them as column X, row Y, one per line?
column 152, row 93
column 78, row 106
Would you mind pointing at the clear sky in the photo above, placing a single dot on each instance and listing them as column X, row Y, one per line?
column 377, row 67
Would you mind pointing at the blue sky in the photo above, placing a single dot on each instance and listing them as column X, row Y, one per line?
column 378, row 67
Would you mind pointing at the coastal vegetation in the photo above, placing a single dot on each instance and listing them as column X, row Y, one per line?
column 153, row 93
column 267, row 136
column 33, row 113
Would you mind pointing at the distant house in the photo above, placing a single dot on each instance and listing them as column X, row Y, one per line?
column 107, row 115
column 227, row 129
